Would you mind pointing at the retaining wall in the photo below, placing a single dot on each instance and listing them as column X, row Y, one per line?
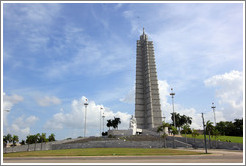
column 119, row 143
column 199, row 143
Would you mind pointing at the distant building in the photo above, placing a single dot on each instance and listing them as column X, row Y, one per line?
column 147, row 101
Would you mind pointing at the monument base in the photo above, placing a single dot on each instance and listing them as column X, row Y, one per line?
column 128, row 132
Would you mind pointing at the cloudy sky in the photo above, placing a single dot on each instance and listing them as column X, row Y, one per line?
column 56, row 55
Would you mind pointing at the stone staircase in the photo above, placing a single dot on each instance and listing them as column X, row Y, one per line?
column 178, row 142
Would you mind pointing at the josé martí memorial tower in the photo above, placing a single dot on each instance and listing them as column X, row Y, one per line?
column 147, row 100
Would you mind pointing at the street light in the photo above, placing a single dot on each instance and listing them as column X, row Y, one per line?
column 103, row 121
column 213, row 107
column 7, row 110
column 172, row 94
column 86, row 104
column 101, row 108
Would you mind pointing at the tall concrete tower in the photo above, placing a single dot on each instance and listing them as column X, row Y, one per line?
column 147, row 101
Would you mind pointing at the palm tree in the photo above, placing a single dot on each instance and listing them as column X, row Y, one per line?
column 209, row 129
column 52, row 137
column 164, row 136
column 174, row 132
column 29, row 140
column 181, row 120
column 162, row 129
column 42, row 138
column 9, row 138
column 35, row 138
column 5, row 141
column 15, row 139
column 115, row 122
column 109, row 124
column 186, row 128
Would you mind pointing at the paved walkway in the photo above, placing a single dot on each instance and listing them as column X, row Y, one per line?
column 216, row 156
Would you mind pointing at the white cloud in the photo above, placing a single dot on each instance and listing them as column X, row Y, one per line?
column 8, row 103
column 74, row 119
column 21, row 126
column 229, row 92
column 48, row 100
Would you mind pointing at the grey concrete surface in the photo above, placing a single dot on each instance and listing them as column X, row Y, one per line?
column 215, row 156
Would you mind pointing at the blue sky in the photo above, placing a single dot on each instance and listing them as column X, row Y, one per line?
column 57, row 54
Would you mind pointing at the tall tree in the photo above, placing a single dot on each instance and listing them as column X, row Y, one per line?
column 238, row 123
column 221, row 127
column 35, row 137
column 109, row 123
column 186, row 119
column 181, row 120
column 9, row 138
column 52, row 137
column 161, row 131
column 177, row 119
column 15, row 139
column 5, row 141
column 186, row 128
column 209, row 130
column 29, row 140
column 42, row 138
column 116, row 122
column 174, row 132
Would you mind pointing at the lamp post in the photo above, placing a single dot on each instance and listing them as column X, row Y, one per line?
column 213, row 107
column 103, row 121
column 86, row 104
column 172, row 94
column 101, row 108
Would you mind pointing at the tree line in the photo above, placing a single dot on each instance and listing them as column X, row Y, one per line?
column 183, row 123
column 30, row 139
column 227, row 128
column 230, row 128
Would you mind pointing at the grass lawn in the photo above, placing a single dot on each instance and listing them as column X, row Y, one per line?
column 221, row 138
column 102, row 152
